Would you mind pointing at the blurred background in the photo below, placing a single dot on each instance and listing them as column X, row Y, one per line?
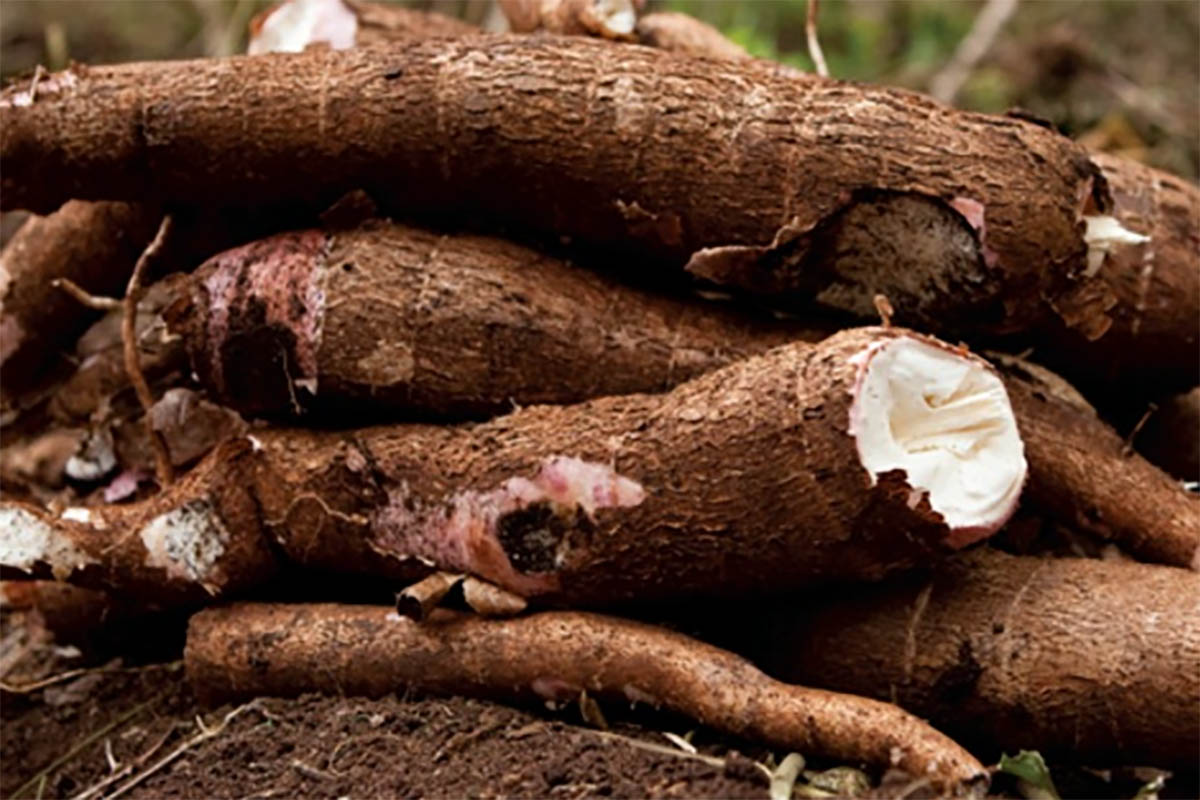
column 1120, row 75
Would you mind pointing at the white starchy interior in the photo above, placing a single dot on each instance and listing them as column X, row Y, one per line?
column 945, row 420
column 1103, row 235
column 619, row 15
column 296, row 24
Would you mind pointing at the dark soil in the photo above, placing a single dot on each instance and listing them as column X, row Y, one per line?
column 136, row 732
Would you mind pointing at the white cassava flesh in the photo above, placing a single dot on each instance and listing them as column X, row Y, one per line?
column 943, row 418
column 290, row 27
column 1103, row 235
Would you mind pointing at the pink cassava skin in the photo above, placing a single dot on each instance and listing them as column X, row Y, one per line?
column 250, row 650
column 744, row 176
column 1085, row 660
column 412, row 324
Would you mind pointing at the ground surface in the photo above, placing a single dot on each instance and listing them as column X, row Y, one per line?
column 135, row 731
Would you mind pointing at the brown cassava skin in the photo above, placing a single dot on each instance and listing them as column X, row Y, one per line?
column 1082, row 473
column 682, row 33
column 213, row 545
column 744, row 480
column 1171, row 438
column 93, row 244
column 1153, row 346
column 773, row 168
column 251, row 650
column 1082, row 659
column 411, row 323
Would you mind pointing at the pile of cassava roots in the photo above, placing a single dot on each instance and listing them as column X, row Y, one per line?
column 582, row 336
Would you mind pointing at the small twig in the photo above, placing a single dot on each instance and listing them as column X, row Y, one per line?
column 661, row 749
column 26, row 688
column 814, row 44
column 38, row 71
column 86, row 742
column 884, row 308
column 1127, row 450
column 204, row 735
column 133, row 360
column 128, row 768
column 83, row 296
column 974, row 46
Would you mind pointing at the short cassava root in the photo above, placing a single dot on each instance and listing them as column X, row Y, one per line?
column 413, row 324
column 761, row 202
column 248, row 650
column 1087, row 660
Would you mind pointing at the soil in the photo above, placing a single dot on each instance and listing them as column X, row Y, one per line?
column 134, row 730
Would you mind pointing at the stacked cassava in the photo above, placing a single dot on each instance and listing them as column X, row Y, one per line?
column 570, row 318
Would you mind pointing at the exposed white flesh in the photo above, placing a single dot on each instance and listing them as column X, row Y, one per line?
column 1103, row 235
column 944, row 418
column 296, row 24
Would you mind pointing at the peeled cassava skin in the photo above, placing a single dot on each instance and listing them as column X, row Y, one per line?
column 250, row 650
column 400, row 321
column 1153, row 346
column 743, row 480
column 748, row 178
column 1081, row 659
column 200, row 538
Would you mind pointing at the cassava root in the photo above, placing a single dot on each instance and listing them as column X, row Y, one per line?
column 249, row 650
column 762, row 201
column 1087, row 660
column 415, row 325
column 771, row 473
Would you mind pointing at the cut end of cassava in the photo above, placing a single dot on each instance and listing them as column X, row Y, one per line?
column 293, row 25
column 944, row 419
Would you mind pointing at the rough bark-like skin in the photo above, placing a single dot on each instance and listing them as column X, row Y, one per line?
column 93, row 244
column 616, row 145
column 1084, row 660
column 250, row 650
column 416, row 324
column 205, row 539
column 1082, row 473
column 384, row 22
column 1171, row 438
column 681, row 33
column 1153, row 346
column 742, row 480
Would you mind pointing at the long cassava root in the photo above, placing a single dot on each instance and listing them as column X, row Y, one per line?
column 248, row 650
column 782, row 180
column 414, row 324
column 1090, row 661
column 774, row 472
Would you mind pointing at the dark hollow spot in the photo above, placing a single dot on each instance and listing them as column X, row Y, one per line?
column 530, row 537
column 347, row 267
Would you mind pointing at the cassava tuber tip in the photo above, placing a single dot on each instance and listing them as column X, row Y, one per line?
column 942, row 417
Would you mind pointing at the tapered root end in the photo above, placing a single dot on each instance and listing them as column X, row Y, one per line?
column 942, row 417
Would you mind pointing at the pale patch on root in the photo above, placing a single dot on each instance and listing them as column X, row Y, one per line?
column 516, row 534
column 186, row 542
column 26, row 541
column 295, row 24
column 1105, row 234
column 614, row 17
column 944, row 418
